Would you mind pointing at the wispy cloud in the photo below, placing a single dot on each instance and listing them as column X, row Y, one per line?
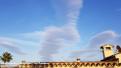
column 83, row 51
column 93, row 49
column 32, row 36
column 11, row 44
column 54, row 37
column 103, row 38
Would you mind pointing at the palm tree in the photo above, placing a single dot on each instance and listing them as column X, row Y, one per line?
column 6, row 57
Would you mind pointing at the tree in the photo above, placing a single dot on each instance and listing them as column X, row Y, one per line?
column 6, row 57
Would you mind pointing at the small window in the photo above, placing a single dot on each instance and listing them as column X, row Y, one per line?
column 108, row 48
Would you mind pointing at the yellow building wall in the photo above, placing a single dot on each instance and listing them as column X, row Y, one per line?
column 107, row 65
column 107, row 52
column 88, row 67
column 77, row 67
column 119, row 57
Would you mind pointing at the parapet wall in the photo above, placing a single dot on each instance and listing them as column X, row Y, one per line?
column 73, row 65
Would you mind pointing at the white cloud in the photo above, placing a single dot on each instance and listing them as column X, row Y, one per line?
column 93, row 49
column 11, row 44
column 32, row 36
column 54, row 38
column 103, row 38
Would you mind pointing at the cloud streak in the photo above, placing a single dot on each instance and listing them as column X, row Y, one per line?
column 93, row 49
column 103, row 38
column 10, row 44
column 54, row 38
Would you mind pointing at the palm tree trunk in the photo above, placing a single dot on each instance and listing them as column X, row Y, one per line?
column 4, row 65
column 0, row 65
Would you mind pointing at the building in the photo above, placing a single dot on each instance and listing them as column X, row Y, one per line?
column 111, row 59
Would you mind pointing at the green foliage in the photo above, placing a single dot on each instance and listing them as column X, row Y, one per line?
column 6, row 57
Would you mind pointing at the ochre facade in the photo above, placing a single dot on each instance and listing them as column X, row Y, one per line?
column 73, row 65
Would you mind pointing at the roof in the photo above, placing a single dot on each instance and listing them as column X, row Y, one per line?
column 110, row 58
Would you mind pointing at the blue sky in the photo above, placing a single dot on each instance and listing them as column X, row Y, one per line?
column 35, row 30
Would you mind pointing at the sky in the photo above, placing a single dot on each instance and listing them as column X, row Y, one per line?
column 58, row 30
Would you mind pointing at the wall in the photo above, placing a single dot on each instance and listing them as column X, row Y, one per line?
column 75, row 65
